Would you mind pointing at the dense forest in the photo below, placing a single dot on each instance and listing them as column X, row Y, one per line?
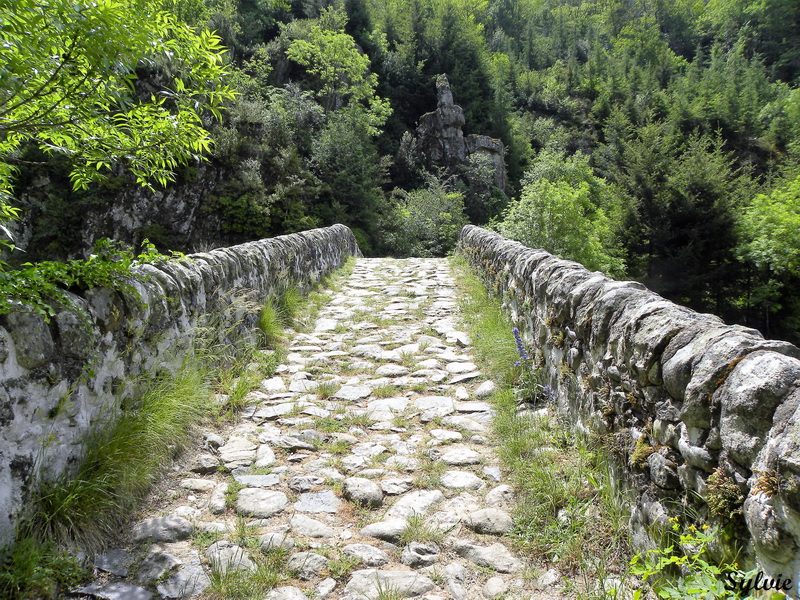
column 657, row 140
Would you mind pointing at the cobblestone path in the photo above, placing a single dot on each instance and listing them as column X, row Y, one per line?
column 368, row 457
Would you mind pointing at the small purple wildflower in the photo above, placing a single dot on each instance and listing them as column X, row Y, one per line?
column 523, row 354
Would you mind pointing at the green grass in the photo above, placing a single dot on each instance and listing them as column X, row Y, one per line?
column 326, row 389
column 289, row 305
column 232, row 493
column 418, row 530
column 281, row 311
column 251, row 585
column 335, row 446
column 429, row 472
column 203, row 539
column 573, row 478
column 492, row 339
column 385, row 391
column 407, row 359
column 341, row 567
column 121, row 462
column 244, row 535
column 270, row 323
column 32, row 569
column 237, row 389
column 342, row 421
column 402, row 421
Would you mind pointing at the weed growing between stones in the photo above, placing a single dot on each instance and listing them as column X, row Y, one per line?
column 341, row 567
column 270, row 323
column 570, row 511
column 203, row 539
column 429, row 472
column 418, row 530
column 234, row 584
column 385, row 391
column 326, row 389
column 683, row 568
column 388, row 592
column 232, row 493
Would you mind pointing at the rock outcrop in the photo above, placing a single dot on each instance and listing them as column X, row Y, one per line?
column 701, row 413
column 443, row 143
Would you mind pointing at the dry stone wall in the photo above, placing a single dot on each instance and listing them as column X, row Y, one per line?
column 704, row 415
column 59, row 379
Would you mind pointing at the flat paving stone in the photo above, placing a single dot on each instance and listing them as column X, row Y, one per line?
column 495, row 557
column 306, row 565
column 370, row 584
column 368, row 555
column 154, row 566
column 116, row 591
column 273, row 412
column 461, row 456
column 225, row 557
column 188, row 581
column 353, row 392
column 162, row 529
column 490, row 521
column 415, row 503
column 308, row 527
column 389, row 530
column 456, row 480
column 115, row 562
column 258, row 480
column 262, row 504
column 198, row 485
column 458, row 368
column 238, row 452
column 318, row 502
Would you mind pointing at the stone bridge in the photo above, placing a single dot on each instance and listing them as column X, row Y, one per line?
column 702, row 405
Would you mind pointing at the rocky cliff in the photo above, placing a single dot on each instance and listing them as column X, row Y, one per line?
column 443, row 143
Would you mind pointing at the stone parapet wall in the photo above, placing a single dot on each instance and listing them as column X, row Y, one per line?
column 703, row 414
column 59, row 379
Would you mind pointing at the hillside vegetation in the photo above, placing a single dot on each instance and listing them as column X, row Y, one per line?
column 653, row 139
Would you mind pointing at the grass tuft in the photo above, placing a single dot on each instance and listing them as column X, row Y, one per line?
column 31, row 569
column 341, row 567
column 385, row 391
column 429, row 473
column 326, row 389
column 289, row 305
column 270, row 323
column 418, row 530
column 121, row 462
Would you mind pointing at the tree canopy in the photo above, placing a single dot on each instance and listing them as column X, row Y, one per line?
column 657, row 140
column 68, row 83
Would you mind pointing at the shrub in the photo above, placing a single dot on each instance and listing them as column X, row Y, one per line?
column 567, row 211
column 427, row 221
